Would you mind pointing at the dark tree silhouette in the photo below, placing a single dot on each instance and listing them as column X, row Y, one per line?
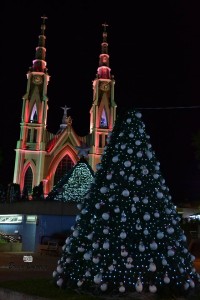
column 13, row 192
column 2, row 193
column 38, row 192
column 25, row 196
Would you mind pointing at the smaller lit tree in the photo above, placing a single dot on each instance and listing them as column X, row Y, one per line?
column 74, row 185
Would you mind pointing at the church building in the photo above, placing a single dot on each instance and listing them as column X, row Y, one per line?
column 42, row 156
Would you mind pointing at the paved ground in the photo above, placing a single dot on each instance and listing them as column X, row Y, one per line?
column 15, row 266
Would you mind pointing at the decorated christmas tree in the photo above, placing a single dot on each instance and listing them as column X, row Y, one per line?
column 74, row 185
column 127, row 236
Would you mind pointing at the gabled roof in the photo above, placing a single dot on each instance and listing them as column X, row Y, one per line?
column 74, row 185
column 58, row 140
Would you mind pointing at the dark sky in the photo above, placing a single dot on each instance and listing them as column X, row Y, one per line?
column 154, row 50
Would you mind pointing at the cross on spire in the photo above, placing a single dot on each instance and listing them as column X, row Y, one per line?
column 43, row 27
column 104, row 32
column 104, row 26
column 44, row 18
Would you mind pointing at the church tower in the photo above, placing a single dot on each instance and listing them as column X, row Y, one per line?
column 42, row 156
column 103, row 110
column 30, row 150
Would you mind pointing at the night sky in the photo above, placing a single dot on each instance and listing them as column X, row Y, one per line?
column 154, row 50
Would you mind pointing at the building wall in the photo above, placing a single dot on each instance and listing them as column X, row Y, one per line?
column 54, row 218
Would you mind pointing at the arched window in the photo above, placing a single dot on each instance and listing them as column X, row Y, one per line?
column 28, row 179
column 103, row 120
column 63, row 167
column 34, row 116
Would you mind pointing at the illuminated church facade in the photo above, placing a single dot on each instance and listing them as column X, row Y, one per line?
column 42, row 156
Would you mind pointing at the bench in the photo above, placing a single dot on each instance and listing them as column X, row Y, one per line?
column 52, row 248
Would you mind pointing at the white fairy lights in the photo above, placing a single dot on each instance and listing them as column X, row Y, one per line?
column 127, row 236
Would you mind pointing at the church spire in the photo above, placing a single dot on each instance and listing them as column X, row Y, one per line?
column 39, row 63
column 104, row 70
column 103, row 110
column 104, row 44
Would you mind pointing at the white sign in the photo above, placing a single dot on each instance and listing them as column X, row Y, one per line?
column 28, row 258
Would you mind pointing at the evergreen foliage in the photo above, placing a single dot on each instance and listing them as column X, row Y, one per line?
column 13, row 192
column 74, row 185
column 127, row 236
column 2, row 193
column 25, row 196
column 38, row 193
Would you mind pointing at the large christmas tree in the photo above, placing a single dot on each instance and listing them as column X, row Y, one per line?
column 127, row 236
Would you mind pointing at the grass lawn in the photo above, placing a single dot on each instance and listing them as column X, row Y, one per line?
column 43, row 288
